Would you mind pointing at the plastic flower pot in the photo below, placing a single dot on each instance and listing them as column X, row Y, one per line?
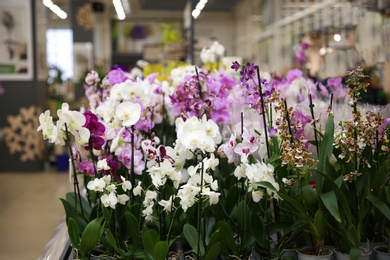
column 381, row 253
column 307, row 254
column 363, row 256
column 62, row 161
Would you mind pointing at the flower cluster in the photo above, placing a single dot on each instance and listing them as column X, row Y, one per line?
column 212, row 54
column 108, row 190
column 221, row 162
column 255, row 176
column 300, row 51
column 69, row 122
column 202, row 94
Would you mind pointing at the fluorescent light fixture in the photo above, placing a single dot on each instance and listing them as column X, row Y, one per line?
column 322, row 51
column 55, row 9
column 195, row 13
column 198, row 9
column 337, row 37
column 120, row 12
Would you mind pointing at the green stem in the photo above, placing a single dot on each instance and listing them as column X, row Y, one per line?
column 171, row 221
column 76, row 187
column 289, row 122
column 263, row 112
column 200, row 202
column 311, row 105
column 132, row 176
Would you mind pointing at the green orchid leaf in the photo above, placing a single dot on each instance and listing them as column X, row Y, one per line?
column 355, row 253
column 161, row 250
column 330, row 201
column 352, row 237
column 71, row 197
column 191, row 235
column 226, row 236
column 131, row 229
column 243, row 223
column 107, row 212
column 380, row 205
column 296, row 207
column 94, row 212
column 231, row 199
column 90, row 237
column 325, row 152
column 216, row 238
column 267, row 185
column 379, row 178
column 320, row 223
column 213, row 251
column 341, row 198
column 387, row 193
column 309, row 195
column 74, row 233
column 258, row 230
column 149, row 239
column 72, row 213
column 138, row 255
column 111, row 240
column 210, row 226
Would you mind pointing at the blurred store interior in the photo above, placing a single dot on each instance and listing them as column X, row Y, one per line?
column 47, row 47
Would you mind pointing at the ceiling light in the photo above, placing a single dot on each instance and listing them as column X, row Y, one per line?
column 337, row 37
column 322, row 51
column 195, row 13
column 55, row 9
column 119, row 9
column 198, row 9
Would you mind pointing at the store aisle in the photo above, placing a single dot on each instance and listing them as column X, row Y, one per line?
column 30, row 210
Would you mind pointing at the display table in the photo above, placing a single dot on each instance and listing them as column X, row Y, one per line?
column 58, row 246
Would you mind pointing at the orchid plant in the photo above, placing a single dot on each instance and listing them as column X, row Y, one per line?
column 231, row 165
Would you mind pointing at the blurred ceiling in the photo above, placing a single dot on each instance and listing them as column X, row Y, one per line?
column 165, row 5
column 212, row 5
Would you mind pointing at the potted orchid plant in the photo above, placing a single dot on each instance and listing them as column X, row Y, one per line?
column 360, row 175
column 219, row 165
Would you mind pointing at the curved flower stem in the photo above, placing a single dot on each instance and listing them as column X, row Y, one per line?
column 132, row 176
column 244, row 217
column 76, row 187
column 266, row 226
column 172, row 217
column 263, row 111
column 199, row 86
column 311, row 105
column 92, row 157
column 289, row 122
column 162, row 217
column 200, row 205
column 331, row 102
column 355, row 135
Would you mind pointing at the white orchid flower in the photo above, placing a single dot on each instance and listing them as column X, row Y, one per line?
column 116, row 91
column 46, row 124
column 167, row 204
column 109, row 200
column 128, row 112
column 102, row 165
column 126, row 185
column 111, row 188
column 117, row 140
column 82, row 136
column 122, row 199
column 106, row 179
column 257, row 195
column 137, row 191
column 96, row 185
